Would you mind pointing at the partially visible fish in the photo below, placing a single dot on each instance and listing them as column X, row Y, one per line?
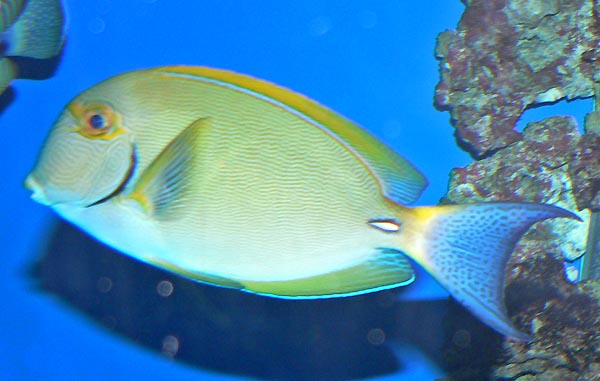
column 38, row 32
column 33, row 29
column 9, row 10
column 234, row 181
column 8, row 72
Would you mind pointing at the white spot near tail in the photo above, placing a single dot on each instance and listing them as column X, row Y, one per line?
column 388, row 226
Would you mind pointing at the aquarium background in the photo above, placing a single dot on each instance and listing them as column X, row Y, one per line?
column 372, row 61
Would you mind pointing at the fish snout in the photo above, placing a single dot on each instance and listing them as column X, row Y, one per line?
column 38, row 195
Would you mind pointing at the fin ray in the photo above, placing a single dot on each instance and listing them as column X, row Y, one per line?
column 162, row 187
column 467, row 248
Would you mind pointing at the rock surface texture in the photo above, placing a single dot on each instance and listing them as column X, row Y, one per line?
column 504, row 57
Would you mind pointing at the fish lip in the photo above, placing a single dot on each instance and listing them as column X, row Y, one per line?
column 38, row 195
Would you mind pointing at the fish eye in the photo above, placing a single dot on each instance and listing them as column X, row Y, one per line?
column 97, row 121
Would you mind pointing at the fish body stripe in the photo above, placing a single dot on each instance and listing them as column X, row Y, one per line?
column 284, row 107
column 399, row 180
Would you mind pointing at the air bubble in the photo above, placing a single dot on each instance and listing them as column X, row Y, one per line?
column 165, row 288
column 170, row 346
column 376, row 336
column 97, row 25
column 462, row 338
column 104, row 284
column 319, row 26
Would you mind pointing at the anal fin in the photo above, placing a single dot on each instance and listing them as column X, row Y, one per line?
column 196, row 275
column 386, row 269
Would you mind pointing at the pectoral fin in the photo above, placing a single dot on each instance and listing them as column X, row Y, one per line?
column 163, row 187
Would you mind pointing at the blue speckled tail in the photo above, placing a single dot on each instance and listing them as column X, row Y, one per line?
column 467, row 248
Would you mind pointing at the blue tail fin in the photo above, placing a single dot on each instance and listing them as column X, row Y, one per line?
column 467, row 247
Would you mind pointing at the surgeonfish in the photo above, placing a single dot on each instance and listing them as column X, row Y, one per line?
column 29, row 28
column 234, row 181
column 9, row 10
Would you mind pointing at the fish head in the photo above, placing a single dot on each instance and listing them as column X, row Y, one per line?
column 87, row 157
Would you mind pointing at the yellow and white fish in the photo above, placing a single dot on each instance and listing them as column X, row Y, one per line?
column 237, row 182
column 29, row 28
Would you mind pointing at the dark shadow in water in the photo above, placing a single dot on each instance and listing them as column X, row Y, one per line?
column 231, row 331
column 30, row 68
column 6, row 98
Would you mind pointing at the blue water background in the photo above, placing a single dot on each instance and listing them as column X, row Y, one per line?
column 372, row 61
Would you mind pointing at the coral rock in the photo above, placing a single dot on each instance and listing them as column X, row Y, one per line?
column 532, row 170
column 508, row 55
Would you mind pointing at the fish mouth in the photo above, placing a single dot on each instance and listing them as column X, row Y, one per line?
column 38, row 194
column 126, row 179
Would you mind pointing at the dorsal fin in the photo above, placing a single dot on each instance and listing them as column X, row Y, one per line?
column 399, row 179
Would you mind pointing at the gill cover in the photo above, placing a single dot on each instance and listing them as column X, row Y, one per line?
column 86, row 158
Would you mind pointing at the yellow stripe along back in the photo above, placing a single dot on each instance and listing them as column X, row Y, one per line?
column 399, row 179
